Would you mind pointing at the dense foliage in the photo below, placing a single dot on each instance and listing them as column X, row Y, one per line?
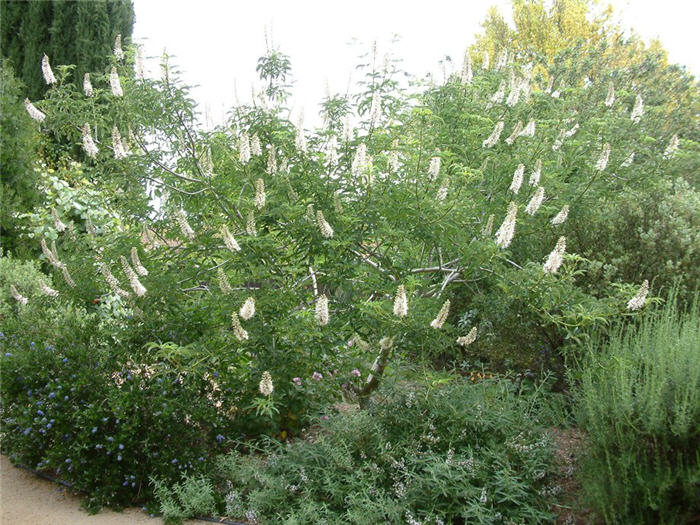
column 200, row 288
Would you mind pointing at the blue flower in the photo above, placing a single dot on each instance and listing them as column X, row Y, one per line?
column 67, row 460
column 52, row 395
column 65, row 359
column 104, row 419
column 40, row 412
column 32, row 344
column 27, row 431
column 220, row 438
column 8, row 354
column 94, row 429
column 121, row 447
column 174, row 461
column 200, row 458
column 119, row 457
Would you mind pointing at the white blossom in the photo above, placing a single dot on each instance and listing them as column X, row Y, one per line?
column 46, row 70
column 118, row 52
column 33, row 111
column 259, row 194
column 114, row 83
column 505, row 233
column 604, row 156
column 321, row 314
column 229, row 240
column 502, row 60
column 323, row 225
column 138, row 65
column 347, row 129
column 244, row 148
column 441, row 316
column 514, row 94
column 550, row 85
column 485, row 60
column 401, row 302
column 47, row 290
column 265, row 385
column 516, row 132
column 559, row 141
column 434, row 168
column 66, row 276
column 332, row 151
column 374, row 109
column 359, row 161
column 87, row 85
column 271, row 160
column 497, row 97
column 468, row 339
column 117, row 145
column 488, row 227
column 628, row 161
column 638, row 301
column 556, row 257
column 393, row 161
column 610, row 99
column 238, row 330
column 529, row 130
column 535, row 201
column 517, row 179
column 442, row 190
column 185, row 227
column 137, row 262
column 536, row 173
column 638, row 110
column 51, row 256
column 672, row 147
column 112, row 281
column 224, row 285
column 495, row 135
column 21, row 299
column 136, row 285
column 467, row 73
column 560, row 217
column 255, row 147
column 250, row 224
column 571, row 132
column 88, row 144
column 556, row 94
column 247, row 310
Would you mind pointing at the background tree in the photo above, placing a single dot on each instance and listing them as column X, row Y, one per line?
column 70, row 32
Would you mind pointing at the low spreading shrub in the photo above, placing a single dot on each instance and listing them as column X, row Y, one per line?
column 457, row 453
column 639, row 402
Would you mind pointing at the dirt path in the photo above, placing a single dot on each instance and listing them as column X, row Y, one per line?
column 26, row 499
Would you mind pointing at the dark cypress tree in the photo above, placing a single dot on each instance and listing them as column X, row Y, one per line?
column 78, row 32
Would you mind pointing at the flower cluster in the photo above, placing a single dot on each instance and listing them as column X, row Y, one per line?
column 322, row 310
column 401, row 302
column 556, row 257
column 441, row 316
column 638, row 301
column 505, row 233
column 468, row 339
column 495, row 135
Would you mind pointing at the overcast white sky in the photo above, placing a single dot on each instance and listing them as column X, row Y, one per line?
column 218, row 41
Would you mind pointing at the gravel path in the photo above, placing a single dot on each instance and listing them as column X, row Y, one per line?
column 26, row 499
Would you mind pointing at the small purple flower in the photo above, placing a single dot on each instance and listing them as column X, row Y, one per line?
column 356, row 373
column 200, row 458
column 65, row 359
column 121, row 447
column 350, row 343
column 119, row 457
column 8, row 354
column 94, row 429
column 324, row 418
column 216, row 374
column 220, row 438
column 316, row 376
column 174, row 461
column 297, row 381
column 40, row 412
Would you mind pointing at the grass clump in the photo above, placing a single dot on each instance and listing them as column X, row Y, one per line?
column 639, row 402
